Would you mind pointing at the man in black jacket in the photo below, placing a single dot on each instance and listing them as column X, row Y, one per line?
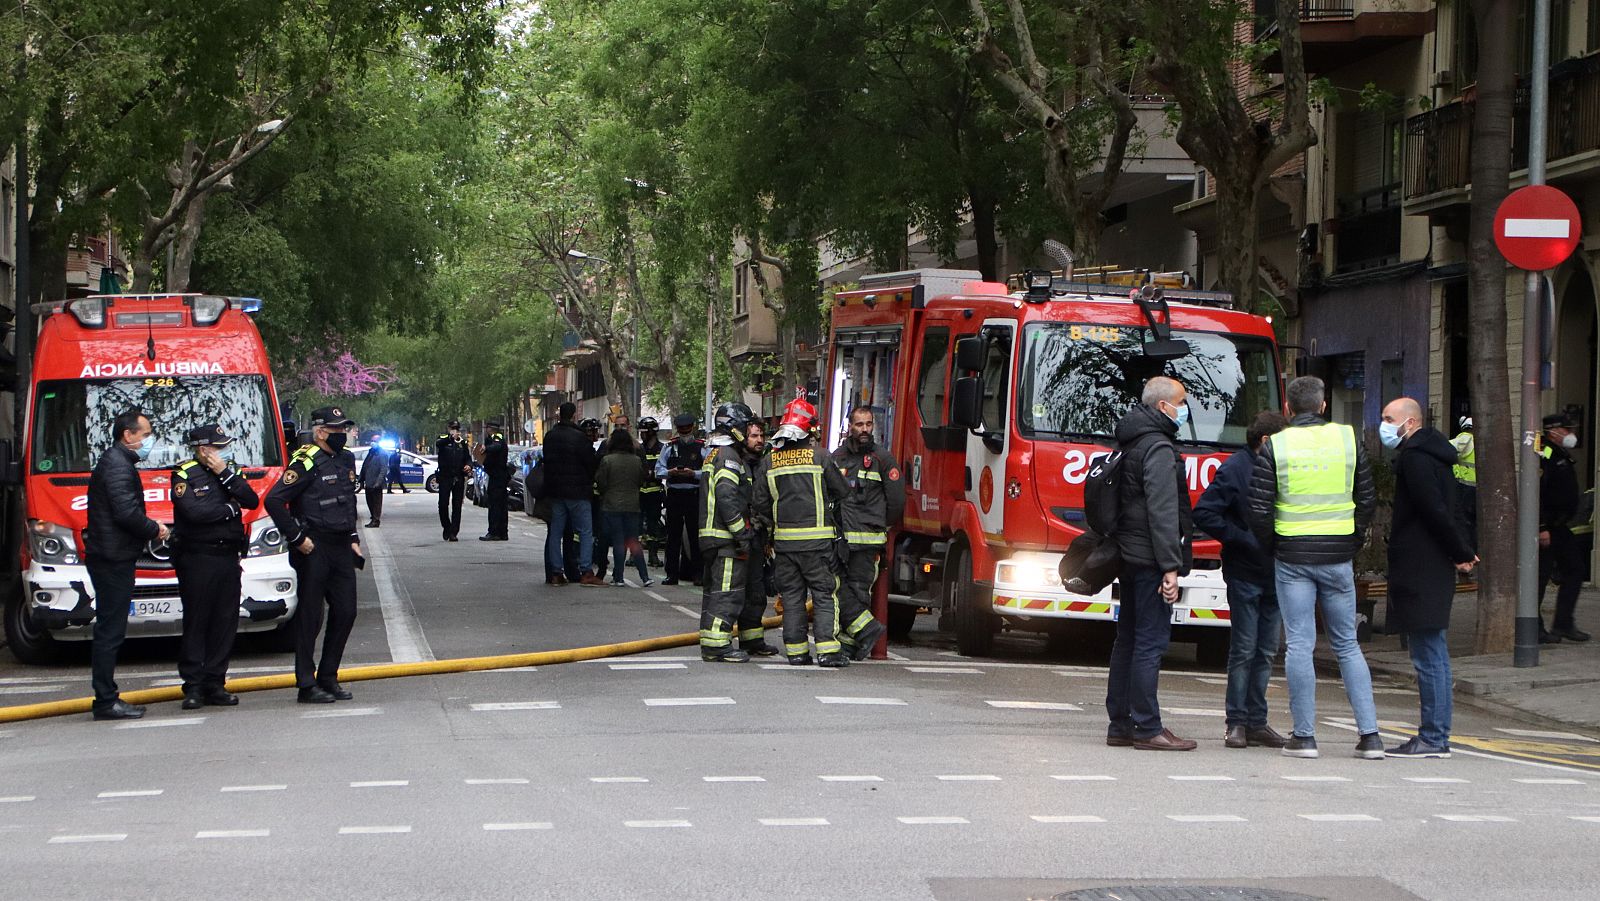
column 497, row 481
column 208, row 497
column 374, row 476
column 1224, row 514
column 1311, row 502
column 1560, row 553
column 116, row 535
column 455, row 467
column 1154, row 535
column 680, row 466
column 1426, row 549
column 569, row 463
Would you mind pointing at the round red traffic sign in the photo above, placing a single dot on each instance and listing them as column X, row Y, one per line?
column 1536, row 228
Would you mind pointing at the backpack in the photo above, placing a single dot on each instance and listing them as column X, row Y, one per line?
column 1102, row 497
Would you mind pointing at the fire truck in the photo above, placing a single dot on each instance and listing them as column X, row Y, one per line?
column 997, row 398
column 184, row 360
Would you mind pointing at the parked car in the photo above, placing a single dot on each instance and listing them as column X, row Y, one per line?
column 478, row 485
column 416, row 471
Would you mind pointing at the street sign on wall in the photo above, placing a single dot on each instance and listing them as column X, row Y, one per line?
column 1536, row 228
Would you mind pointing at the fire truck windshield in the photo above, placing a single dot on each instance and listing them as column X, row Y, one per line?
column 1077, row 380
column 72, row 418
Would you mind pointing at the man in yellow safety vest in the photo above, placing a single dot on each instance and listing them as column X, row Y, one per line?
column 1466, row 473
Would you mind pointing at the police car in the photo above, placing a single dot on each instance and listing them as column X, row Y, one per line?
column 416, row 471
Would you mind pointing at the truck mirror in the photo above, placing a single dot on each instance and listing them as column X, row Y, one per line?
column 10, row 466
column 966, row 403
column 1167, row 349
column 969, row 353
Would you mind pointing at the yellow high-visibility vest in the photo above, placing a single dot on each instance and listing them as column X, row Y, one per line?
column 1466, row 468
column 1316, row 480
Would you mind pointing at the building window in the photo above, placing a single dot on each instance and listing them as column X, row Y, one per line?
column 1560, row 27
column 741, row 289
column 1465, row 30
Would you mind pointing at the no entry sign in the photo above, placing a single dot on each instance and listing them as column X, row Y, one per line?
column 1536, row 228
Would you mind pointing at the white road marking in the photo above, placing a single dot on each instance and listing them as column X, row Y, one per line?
column 254, row 788
column 515, row 827
column 233, row 833
column 1084, row 675
column 17, row 799
column 686, row 702
column 340, row 712
column 686, row 611
column 880, row 702
column 972, row 777
column 1486, row 756
column 1437, row 780
column 1070, row 778
column 657, row 824
column 658, row 596
column 496, row 781
column 1211, row 681
column 166, row 683
column 382, row 783
column 1076, row 818
column 83, row 839
column 407, row 644
column 1033, row 705
column 1585, row 819
column 1473, row 818
column 1556, row 736
column 1338, row 818
column 517, row 705
column 794, row 821
column 156, row 724
column 1205, row 818
column 139, row 793
column 609, row 780
column 851, row 778
column 1551, row 781
column 933, row 821
column 945, row 670
column 1193, row 711
column 1316, row 778
column 896, row 657
column 33, row 689
column 374, row 830
column 732, row 779
column 1201, row 778
column 650, row 666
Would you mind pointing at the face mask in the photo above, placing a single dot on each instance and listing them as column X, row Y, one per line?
column 336, row 441
column 1181, row 418
column 226, row 453
column 143, row 451
column 1389, row 434
column 1569, row 441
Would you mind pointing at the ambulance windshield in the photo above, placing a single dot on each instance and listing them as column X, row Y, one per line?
column 1077, row 380
column 72, row 419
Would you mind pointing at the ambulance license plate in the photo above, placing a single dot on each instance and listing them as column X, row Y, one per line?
column 162, row 608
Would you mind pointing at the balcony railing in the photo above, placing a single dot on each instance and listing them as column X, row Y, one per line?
column 1369, row 230
column 1310, row 11
column 1439, row 150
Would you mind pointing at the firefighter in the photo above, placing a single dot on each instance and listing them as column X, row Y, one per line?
column 497, row 479
column 876, row 500
column 650, row 496
column 208, row 495
column 314, row 506
column 680, row 466
column 752, row 633
column 797, row 489
column 726, row 537
column 455, row 467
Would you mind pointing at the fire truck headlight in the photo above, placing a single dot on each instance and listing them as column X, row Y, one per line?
column 1027, row 573
column 90, row 312
column 52, row 543
column 265, row 539
column 207, row 310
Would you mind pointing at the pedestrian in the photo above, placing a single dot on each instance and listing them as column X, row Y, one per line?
column 651, row 496
column 314, row 507
column 875, row 502
column 680, row 466
column 208, row 497
column 726, row 537
column 1311, row 503
column 1154, row 535
column 1426, row 549
column 374, row 476
column 569, row 477
column 1224, row 513
column 797, row 491
column 497, row 481
column 752, row 629
column 396, row 477
column 591, row 430
column 1560, row 552
column 1466, row 473
column 618, row 479
column 117, row 533
column 455, row 468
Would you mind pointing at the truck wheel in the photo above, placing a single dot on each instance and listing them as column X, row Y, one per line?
column 975, row 625
column 432, row 485
column 901, row 618
column 29, row 643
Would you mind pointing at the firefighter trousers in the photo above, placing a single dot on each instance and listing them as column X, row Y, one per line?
column 208, row 583
column 651, row 527
column 722, row 598
column 800, row 573
column 327, row 576
column 855, row 594
column 752, row 634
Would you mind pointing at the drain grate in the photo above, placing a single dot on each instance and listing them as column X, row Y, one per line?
column 1182, row 893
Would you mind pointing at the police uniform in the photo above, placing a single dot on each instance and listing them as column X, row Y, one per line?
column 499, row 479
column 316, row 499
column 726, row 537
column 651, row 496
column 874, row 501
column 1559, row 497
column 210, row 539
column 796, row 489
column 683, row 553
column 454, row 462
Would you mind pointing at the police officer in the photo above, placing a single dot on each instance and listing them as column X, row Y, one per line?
column 592, row 430
column 876, row 500
column 208, row 495
column 498, row 479
column 797, row 489
column 651, row 495
column 727, row 540
column 455, row 467
column 680, row 466
column 314, row 506
column 1560, row 552
column 1466, row 473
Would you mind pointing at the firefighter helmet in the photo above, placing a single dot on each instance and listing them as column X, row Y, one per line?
column 649, row 424
column 799, row 413
column 734, row 419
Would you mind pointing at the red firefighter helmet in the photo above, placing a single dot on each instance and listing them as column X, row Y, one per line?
column 799, row 414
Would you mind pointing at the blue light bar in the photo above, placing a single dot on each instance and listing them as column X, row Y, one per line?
column 388, row 444
column 248, row 304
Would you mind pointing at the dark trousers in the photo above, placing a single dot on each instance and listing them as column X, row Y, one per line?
column 113, row 596
column 651, row 528
column 722, row 598
column 1144, row 628
column 1252, row 643
column 1467, row 508
column 602, row 538
column 498, row 524
column 327, row 576
column 801, row 573
column 752, row 633
column 375, row 504
column 622, row 531
column 855, row 594
column 209, row 587
column 451, row 491
column 683, row 545
column 1563, row 559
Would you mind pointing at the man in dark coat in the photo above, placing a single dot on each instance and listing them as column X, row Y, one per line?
column 1560, row 552
column 374, row 476
column 569, row 483
column 1426, row 549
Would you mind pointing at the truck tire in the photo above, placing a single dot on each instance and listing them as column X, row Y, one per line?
column 975, row 624
column 28, row 643
column 901, row 618
column 432, row 485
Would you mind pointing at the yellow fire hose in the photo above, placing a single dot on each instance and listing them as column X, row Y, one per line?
column 380, row 671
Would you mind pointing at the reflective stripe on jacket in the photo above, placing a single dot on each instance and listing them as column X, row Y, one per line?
column 796, row 489
column 724, row 497
column 875, row 498
column 1316, row 470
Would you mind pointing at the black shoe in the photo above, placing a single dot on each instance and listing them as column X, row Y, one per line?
column 835, row 660
column 725, row 655
column 1548, row 637
column 1370, row 747
column 669, row 581
column 1417, row 749
column 867, row 639
column 1235, row 737
column 119, row 710
column 219, row 697
column 1573, row 634
column 338, row 691
column 371, row 524
column 446, row 536
column 192, row 700
column 1299, row 746
column 759, row 650
column 452, row 538
column 1265, row 737
column 802, row 660
column 314, row 695
column 1119, row 739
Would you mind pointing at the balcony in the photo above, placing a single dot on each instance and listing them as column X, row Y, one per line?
column 1438, row 152
column 1336, row 33
column 1367, row 230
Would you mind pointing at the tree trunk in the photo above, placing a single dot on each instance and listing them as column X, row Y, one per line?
column 983, row 232
column 188, row 240
column 1236, row 243
column 1486, row 339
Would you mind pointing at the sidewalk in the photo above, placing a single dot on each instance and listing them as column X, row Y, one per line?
column 1564, row 687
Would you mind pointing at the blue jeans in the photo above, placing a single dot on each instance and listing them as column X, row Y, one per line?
column 622, row 529
column 1300, row 587
column 569, row 513
column 1144, row 628
column 1430, row 654
column 1252, row 643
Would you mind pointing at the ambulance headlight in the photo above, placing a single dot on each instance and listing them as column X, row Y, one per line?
column 265, row 539
column 207, row 310
column 51, row 543
column 1027, row 572
column 90, row 312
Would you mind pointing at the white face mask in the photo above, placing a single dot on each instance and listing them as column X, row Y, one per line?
column 1569, row 441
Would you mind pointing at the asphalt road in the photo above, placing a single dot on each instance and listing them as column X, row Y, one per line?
column 928, row 777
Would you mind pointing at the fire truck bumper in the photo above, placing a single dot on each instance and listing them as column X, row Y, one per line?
column 1028, row 586
column 61, row 600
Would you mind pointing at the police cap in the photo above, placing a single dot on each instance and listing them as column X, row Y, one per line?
column 1558, row 421
column 332, row 417
column 454, row 424
column 209, row 434
column 683, row 420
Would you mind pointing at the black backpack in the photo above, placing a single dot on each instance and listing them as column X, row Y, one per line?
column 1102, row 497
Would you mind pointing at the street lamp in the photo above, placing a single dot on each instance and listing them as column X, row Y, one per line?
column 577, row 254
